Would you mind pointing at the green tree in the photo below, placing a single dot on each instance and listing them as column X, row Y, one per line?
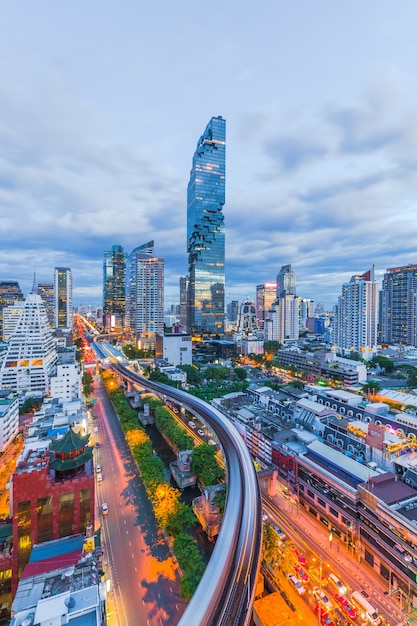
column 220, row 500
column 205, row 466
column 194, row 376
column 87, row 381
column 372, row 386
column 241, row 373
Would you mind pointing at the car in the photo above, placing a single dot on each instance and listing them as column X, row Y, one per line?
column 279, row 532
column 97, row 445
column 98, row 468
column 297, row 584
column 264, row 517
column 347, row 608
column 200, row 432
column 96, row 429
column 301, row 573
column 338, row 584
column 99, row 477
column 301, row 558
column 324, row 616
column 104, row 509
column 320, row 596
column 211, row 442
column 191, row 424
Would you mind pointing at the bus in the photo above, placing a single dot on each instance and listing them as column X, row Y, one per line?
column 365, row 608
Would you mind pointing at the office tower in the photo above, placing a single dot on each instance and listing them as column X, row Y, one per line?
column 10, row 292
column 183, row 301
column 31, row 354
column 47, row 293
column 356, row 316
column 399, row 306
column 246, row 320
column 205, row 232
column 145, row 293
column 114, row 302
column 265, row 298
column 285, row 282
column 63, row 298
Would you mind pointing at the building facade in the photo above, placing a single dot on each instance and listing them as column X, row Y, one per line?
column 31, row 356
column 399, row 306
column 265, row 298
column 356, row 316
column 10, row 292
column 183, row 301
column 63, row 298
column 206, row 233
column 47, row 293
column 114, row 298
column 9, row 419
column 285, row 282
column 52, row 495
column 145, row 293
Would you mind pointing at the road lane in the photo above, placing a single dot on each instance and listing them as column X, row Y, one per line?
column 144, row 574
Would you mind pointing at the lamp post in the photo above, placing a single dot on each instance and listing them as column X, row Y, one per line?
column 330, row 540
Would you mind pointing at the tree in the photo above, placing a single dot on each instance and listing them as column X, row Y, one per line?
column 372, row 386
column 87, row 381
column 220, row 500
column 241, row 373
column 271, row 550
column 205, row 466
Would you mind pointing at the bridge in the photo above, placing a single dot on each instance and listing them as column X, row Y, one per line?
column 226, row 592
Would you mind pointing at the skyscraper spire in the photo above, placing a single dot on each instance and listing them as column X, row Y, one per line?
column 35, row 283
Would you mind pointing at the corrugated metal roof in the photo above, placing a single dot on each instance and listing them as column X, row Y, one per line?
column 66, row 545
column 348, row 465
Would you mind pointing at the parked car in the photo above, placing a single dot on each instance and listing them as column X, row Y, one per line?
column 200, row 432
column 301, row 558
column 98, row 467
column 347, row 608
column 320, row 596
column 297, row 584
column 301, row 573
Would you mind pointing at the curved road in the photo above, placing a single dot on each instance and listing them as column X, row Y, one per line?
column 225, row 594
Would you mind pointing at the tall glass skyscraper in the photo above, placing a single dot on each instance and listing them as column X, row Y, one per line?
column 205, row 232
column 399, row 305
column 114, row 303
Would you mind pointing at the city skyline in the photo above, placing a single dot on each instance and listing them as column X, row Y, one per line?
column 101, row 107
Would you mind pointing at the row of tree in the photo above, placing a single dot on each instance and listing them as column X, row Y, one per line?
column 173, row 516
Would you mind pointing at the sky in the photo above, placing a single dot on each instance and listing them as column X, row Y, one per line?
column 102, row 105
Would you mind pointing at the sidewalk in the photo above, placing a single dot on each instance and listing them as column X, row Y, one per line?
column 365, row 576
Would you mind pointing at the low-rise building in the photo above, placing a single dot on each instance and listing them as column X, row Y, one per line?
column 176, row 348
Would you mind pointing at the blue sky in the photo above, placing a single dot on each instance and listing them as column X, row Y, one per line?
column 102, row 104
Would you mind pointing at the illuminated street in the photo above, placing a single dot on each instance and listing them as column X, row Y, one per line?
column 145, row 578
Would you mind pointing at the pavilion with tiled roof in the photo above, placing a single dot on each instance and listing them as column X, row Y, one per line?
column 70, row 454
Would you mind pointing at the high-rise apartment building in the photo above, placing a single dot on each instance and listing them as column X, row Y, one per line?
column 265, row 298
column 31, row 356
column 145, row 293
column 10, row 292
column 282, row 322
column 63, row 298
column 205, row 232
column 114, row 300
column 398, row 319
column 356, row 316
column 47, row 293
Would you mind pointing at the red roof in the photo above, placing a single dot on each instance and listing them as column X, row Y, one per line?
column 55, row 562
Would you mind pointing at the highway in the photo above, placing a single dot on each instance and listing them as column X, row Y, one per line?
column 225, row 594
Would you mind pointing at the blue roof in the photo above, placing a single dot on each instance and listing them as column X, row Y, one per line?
column 58, row 547
column 53, row 432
